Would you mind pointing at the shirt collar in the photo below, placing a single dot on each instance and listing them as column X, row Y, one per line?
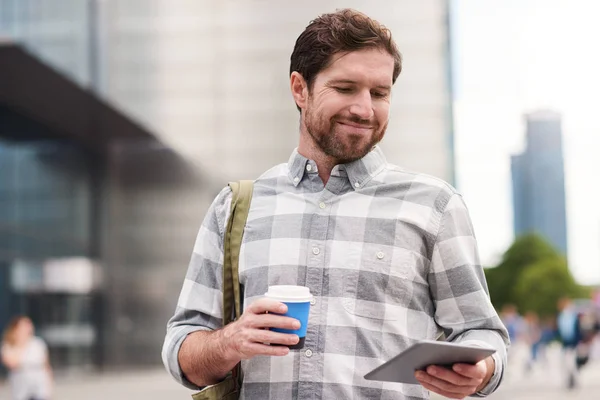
column 358, row 172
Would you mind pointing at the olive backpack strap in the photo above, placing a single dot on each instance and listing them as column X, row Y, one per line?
column 240, row 206
column 230, row 387
column 243, row 197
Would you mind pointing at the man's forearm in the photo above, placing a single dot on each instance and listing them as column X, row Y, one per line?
column 203, row 359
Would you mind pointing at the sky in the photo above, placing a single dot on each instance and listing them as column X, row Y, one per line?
column 511, row 57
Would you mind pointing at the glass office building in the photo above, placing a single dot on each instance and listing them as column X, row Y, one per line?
column 47, row 217
column 49, row 180
column 95, row 215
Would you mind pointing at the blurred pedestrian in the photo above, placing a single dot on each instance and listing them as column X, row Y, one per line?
column 26, row 358
column 549, row 334
column 587, row 328
column 570, row 332
column 532, row 334
column 390, row 255
column 512, row 321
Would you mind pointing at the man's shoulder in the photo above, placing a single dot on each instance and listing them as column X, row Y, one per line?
column 394, row 174
column 274, row 172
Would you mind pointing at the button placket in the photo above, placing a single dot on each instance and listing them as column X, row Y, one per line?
column 310, row 367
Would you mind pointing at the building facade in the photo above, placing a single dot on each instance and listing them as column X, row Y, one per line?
column 539, row 181
column 212, row 78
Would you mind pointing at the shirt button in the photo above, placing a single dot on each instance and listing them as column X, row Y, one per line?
column 322, row 205
column 296, row 180
column 356, row 184
column 380, row 255
column 308, row 353
column 309, row 167
column 316, row 250
column 313, row 302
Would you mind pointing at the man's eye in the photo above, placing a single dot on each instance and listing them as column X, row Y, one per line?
column 343, row 89
column 380, row 95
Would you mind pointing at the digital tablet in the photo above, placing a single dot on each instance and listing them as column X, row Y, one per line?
column 427, row 352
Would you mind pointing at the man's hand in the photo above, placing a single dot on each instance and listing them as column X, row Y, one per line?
column 206, row 357
column 459, row 382
column 247, row 337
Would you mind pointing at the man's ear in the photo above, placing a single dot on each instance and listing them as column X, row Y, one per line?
column 299, row 89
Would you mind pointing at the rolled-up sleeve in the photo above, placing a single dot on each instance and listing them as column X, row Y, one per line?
column 462, row 304
column 200, row 303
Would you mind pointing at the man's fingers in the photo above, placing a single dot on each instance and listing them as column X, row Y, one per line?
column 477, row 371
column 264, row 305
column 265, row 336
column 444, row 387
column 263, row 313
column 439, row 391
column 452, row 377
column 272, row 321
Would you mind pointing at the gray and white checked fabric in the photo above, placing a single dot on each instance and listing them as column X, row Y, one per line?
column 389, row 255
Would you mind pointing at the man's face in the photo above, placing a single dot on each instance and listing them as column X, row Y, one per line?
column 348, row 106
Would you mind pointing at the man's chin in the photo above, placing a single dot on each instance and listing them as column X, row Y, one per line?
column 351, row 155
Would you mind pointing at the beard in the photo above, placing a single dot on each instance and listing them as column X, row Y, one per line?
column 342, row 146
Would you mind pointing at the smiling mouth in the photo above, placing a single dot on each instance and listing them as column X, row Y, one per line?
column 356, row 126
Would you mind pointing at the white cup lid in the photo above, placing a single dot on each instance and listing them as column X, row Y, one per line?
column 289, row 293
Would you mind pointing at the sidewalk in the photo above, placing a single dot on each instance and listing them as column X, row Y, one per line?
column 544, row 382
column 154, row 384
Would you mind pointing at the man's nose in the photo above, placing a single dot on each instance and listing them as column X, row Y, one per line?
column 362, row 105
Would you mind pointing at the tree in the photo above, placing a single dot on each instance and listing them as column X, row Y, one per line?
column 542, row 284
column 526, row 250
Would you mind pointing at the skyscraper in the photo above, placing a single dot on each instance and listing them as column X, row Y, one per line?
column 539, row 181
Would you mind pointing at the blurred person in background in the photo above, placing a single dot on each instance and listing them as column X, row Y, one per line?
column 537, row 335
column 587, row 327
column 26, row 358
column 549, row 334
column 385, row 251
column 568, row 331
column 577, row 329
column 513, row 321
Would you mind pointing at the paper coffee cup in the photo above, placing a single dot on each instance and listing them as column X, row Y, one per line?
column 297, row 299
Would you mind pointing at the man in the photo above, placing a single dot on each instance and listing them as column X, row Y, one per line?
column 569, row 332
column 389, row 255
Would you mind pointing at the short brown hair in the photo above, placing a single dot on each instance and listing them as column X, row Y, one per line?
column 342, row 31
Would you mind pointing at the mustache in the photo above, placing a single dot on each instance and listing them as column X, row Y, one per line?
column 354, row 119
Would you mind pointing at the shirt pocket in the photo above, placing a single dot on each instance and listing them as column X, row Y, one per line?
column 383, row 283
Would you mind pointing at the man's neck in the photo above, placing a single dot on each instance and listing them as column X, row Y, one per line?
column 325, row 163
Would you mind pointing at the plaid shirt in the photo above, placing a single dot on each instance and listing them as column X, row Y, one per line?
column 389, row 255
